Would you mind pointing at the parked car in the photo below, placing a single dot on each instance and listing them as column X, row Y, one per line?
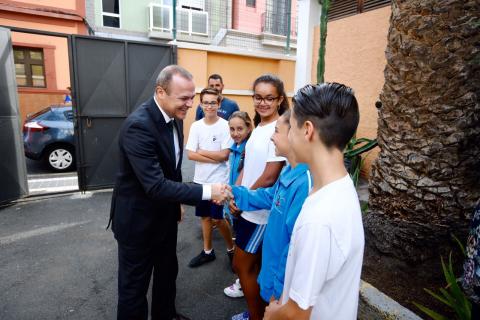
column 48, row 136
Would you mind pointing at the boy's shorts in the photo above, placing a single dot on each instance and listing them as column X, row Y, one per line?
column 207, row 208
column 248, row 235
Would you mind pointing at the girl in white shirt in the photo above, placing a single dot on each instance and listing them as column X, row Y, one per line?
column 261, row 169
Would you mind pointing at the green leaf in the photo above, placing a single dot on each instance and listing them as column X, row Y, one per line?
column 459, row 244
column 452, row 281
column 439, row 298
column 355, row 152
column 429, row 312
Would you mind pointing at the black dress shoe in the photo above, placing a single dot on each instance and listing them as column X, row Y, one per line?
column 181, row 317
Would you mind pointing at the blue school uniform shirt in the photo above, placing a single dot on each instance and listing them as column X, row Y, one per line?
column 236, row 154
column 227, row 107
column 285, row 200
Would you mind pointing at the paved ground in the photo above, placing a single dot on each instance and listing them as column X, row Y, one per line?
column 58, row 262
column 41, row 180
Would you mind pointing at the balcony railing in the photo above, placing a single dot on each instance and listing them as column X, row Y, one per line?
column 191, row 22
column 278, row 24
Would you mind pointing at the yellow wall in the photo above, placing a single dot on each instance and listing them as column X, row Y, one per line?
column 238, row 73
column 355, row 56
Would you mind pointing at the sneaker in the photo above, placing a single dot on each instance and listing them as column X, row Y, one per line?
column 234, row 291
column 241, row 316
column 202, row 258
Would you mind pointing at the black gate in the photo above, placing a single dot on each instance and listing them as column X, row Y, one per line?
column 110, row 78
column 13, row 171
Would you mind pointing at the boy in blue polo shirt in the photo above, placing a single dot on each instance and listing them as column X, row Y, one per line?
column 284, row 199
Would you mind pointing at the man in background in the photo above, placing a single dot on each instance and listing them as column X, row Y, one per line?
column 227, row 106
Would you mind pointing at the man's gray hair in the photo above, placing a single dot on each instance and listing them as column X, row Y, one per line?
column 166, row 75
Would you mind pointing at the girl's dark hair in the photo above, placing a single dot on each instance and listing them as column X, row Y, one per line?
column 278, row 84
column 246, row 118
column 333, row 110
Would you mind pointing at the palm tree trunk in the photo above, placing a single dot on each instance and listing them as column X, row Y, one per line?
column 427, row 176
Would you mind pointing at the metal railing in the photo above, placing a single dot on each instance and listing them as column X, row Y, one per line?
column 278, row 24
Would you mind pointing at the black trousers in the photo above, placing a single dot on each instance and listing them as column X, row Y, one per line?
column 135, row 266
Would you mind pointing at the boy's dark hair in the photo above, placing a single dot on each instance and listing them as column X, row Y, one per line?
column 215, row 76
column 333, row 110
column 278, row 84
column 210, row 91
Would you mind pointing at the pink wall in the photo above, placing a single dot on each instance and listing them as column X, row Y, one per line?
column 249, row 19
column 246, row 18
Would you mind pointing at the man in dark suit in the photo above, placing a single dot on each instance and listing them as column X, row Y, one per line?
column 147, row 195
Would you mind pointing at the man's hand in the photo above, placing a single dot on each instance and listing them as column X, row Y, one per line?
column 271, row 309
column 221, row 193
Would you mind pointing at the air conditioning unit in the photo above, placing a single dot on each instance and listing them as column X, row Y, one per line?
column 192, row 21
column 161, row 17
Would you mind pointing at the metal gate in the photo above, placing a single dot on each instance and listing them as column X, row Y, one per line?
column 110, row 79
column 13, row 171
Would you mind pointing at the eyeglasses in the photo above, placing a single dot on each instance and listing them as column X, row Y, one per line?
column 267, row 100
column 211, row 104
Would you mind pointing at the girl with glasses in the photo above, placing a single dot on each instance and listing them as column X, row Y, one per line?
column 261, row 169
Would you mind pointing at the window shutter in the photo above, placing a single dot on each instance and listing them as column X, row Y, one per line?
column 344, row 8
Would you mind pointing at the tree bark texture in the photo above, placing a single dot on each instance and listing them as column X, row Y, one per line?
column 426, row 179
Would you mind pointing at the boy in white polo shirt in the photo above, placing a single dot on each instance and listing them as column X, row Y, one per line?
column 325, row 257
column 208, row 145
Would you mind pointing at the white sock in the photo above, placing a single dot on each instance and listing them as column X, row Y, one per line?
column 208, row 251
column 230, row 250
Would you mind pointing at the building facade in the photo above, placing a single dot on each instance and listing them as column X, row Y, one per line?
column 245, row 24
column 41, row 61
column 355, row 56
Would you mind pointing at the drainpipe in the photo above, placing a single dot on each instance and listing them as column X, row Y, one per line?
column 174, row 29
column 289, row 25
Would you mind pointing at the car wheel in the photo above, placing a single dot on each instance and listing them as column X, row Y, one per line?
column 60, row 158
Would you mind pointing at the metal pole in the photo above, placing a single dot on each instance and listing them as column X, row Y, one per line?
column 174, row 29
column 289, row 25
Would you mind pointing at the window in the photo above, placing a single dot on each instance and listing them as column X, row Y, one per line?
column 344, row 8
column 29, row 67
column 111, row 13
column 251, row 3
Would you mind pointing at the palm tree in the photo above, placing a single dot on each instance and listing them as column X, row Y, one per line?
column 427, row 176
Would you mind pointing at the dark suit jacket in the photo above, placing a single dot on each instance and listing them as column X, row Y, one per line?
column 148, row 190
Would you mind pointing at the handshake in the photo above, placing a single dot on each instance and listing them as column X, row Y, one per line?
column 221, row 193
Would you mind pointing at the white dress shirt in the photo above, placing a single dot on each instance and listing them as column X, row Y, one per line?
column 207, row 189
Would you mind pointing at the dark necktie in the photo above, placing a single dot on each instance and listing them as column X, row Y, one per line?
column 170, row 126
